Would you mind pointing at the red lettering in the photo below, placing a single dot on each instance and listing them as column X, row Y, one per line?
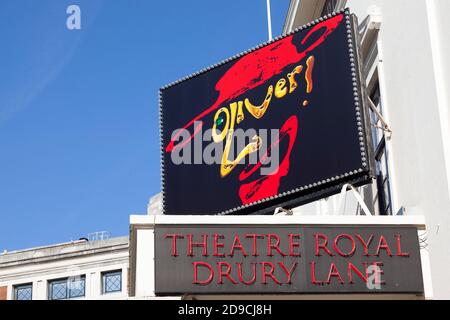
column 378, row 272
column 322, row 245
column 293, row 245
column 275, row 246
column 203, row 244
column 382, row 244
column 334, row 273
column 218, row 245
column 313, row 274
column 174, row 242
column 288, row 272
column 399, row 247
column 221, row 273
column 237, row 245
column 241, row 278
column 339, row 251
column 211, row 273
column 254, row 237
column 352, row 267
column 269, row 274
column 365, row 244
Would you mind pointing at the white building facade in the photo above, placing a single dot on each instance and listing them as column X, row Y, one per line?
column 75, row 270
column 405, row 47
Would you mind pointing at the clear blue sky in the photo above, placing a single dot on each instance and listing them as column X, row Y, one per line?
column 79, row 145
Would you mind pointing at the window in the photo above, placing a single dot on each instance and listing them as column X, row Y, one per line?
column 382, row 201
column 111, row 281
column 23, row 292
column 379, row 193
column 67, row 288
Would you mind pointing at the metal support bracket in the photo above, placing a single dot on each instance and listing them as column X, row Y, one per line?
column 287, row 212
column 385, row 127
column 358, row 197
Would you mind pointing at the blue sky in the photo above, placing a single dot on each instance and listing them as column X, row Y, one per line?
column 79, row 145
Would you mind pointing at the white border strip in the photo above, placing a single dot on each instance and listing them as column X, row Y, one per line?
column 417, row 221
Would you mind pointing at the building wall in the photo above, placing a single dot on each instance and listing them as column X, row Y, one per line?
column 414, row 69
column 415, row 38
column 41, row 265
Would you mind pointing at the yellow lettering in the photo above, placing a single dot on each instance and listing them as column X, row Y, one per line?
column 258, row 111
column 291, row 77
column 227, row 165
column 219, row 137
column 240, row 114
column 280, row 88
column 308, row 75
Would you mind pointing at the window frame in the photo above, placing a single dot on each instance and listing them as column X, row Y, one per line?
column 382, row 185
column 104, row 276
column 381, row 192
column 67, row 281
column 22, row 286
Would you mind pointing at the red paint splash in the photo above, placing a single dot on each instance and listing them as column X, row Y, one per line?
column 268, row 186
column 256, row 68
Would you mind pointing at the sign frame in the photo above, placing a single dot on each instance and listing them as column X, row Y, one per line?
column 142, row 246
column 306, row 264
column 319, row 189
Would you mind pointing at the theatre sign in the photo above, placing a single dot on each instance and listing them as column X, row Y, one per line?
column 302, row 99
column 280, row 125
column 302, row 259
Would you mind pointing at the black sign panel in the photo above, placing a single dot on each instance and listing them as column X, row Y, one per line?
column 287, row 259
column 280, row 125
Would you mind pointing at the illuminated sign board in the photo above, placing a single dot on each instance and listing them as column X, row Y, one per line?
column 224, row 259
column 279, row 125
